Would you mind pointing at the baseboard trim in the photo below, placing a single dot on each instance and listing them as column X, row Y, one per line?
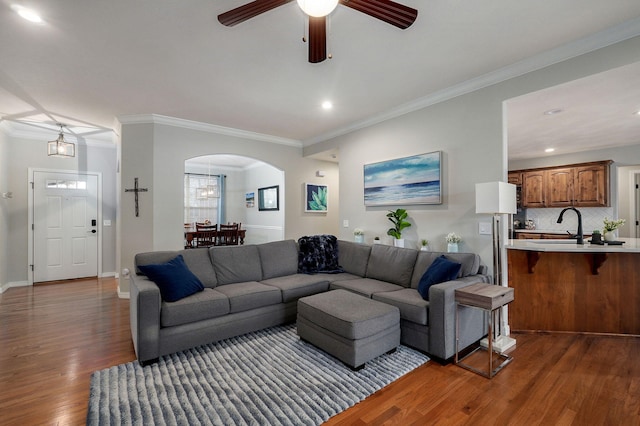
column 6, row 286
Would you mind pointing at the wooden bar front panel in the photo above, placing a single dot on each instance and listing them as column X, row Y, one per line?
column 563, row 294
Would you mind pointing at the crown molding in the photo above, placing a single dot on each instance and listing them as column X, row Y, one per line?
column 205, row 127
column 613, row 35
column 97, row 138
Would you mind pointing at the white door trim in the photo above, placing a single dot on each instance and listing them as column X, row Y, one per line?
column 30, row 204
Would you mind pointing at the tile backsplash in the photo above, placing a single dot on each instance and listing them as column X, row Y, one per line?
column 592, row 217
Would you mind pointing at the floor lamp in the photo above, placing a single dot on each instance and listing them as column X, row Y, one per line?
column 497, row 198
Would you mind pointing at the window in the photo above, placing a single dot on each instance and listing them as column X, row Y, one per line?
column 201, row 198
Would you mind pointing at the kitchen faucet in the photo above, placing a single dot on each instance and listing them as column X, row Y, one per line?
column 579, row 236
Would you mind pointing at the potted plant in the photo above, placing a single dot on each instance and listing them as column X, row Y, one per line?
column 452, row 242
column 376, row 240
column 358, row 235
column 398, row 218
column 610, row 226
column 596, row 237
column 424, row 245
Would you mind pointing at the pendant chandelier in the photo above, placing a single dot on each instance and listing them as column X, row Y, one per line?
column 208, row 191
column 60, row 147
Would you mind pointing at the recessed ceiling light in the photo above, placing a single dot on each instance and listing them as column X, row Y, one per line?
column 549, row 150
column 28, row 14
column 553, row 111
column 637, row 112
column 327, row 105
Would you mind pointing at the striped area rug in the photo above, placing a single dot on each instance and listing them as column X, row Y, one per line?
column 268, row 377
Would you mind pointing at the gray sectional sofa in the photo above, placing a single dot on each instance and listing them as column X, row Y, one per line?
column 252, row 287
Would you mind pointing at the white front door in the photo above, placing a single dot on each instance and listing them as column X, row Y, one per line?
column 65, row 215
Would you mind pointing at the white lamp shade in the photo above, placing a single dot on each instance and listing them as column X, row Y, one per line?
column 495, row 197
column 317, row 8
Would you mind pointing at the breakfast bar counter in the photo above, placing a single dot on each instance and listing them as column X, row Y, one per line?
column 563, row 286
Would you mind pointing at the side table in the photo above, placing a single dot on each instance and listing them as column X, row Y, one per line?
column 490, row 298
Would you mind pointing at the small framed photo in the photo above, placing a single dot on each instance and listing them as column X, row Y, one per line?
column 269, row 198
column 249, row 198
column 316, row 198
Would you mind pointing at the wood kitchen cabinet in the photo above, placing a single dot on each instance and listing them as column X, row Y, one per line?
column 514, row 178
column 533, row 189
column 591, row 186
column 578, row 185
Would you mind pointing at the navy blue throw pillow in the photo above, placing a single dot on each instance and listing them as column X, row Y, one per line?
column 173, row 278
column 441, row 270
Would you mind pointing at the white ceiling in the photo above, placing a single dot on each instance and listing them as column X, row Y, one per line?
column 596, row 112
column 94, row 61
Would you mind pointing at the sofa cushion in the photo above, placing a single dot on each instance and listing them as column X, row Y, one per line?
column 278, row 258
column 203, row 305
column 412, row 306
column 391, row 264
column 197, row 260
column 296, row 286
column 236, row 264
column 364, row 286
column 470, row 264
column 353, row 257
column 250, row 295
column 342, row 276
column 441, row 270
column 318, row 253
column 173, row 278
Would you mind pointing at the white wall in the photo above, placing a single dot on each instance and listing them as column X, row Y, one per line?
column 27, row 153
column 4, row 209
column 264, row 226
column 156, row 154
column 469, row 131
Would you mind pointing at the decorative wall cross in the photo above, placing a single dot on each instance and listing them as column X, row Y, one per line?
column 136, row 190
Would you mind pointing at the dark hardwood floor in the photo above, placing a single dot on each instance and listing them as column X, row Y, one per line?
column 52, row 337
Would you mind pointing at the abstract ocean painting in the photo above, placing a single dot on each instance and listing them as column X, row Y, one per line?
column 408, row 180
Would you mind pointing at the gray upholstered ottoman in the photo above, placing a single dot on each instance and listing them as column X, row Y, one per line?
column 348, row 326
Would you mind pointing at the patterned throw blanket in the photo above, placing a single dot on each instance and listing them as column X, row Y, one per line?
column 318, row 253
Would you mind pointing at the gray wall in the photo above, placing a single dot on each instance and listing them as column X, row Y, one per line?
column 156, row 152
column 27, row 153
column 4, row 209
column 469, row 131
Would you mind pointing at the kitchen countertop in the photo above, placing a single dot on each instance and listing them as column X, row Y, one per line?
column 631, row 245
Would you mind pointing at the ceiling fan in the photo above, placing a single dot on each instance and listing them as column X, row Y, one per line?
column 388, row 11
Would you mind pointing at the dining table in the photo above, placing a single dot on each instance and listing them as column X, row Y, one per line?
column 191, row 234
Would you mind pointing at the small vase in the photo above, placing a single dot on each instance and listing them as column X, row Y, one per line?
column 452, row 247
column 359, row 238
column 609, row 236
column 424, row 248
column 398, row 242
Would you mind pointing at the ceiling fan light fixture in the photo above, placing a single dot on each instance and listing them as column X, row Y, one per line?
column 317, row 8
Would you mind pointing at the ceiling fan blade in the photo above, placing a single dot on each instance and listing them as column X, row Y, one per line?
column 386, row 10
column 248, row 11
column 317, row 39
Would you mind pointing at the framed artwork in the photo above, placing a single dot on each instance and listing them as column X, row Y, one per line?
column 249, row 198
column 316, row 197
column 408, row 180
column 269, row 198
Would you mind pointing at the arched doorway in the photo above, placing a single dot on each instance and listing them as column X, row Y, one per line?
column 223, row 188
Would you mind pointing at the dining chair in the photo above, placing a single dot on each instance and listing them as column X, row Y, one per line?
column 228, row 235
column 206, row 235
